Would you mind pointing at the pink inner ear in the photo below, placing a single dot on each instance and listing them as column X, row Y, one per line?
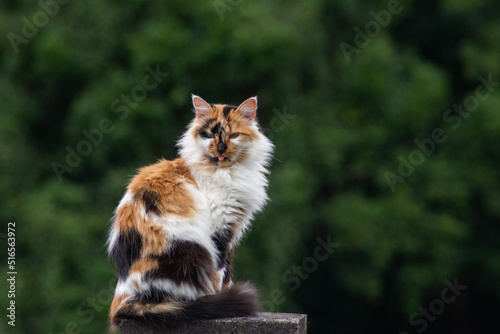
column 249, row 108
column 201, row 107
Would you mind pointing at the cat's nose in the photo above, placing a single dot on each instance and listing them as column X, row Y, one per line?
column 221, row 147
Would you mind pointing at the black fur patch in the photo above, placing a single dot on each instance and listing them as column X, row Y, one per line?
column 151, row 202
column 216, row 128
column 227, row 109
column 228, row 274
column 204, row 134
column 221, row 146
column 153, row 296
column 186, row 262
column 203, row 129
column 221, row 240
column 125, row 251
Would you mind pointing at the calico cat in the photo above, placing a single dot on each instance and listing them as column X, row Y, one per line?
column 174, row 231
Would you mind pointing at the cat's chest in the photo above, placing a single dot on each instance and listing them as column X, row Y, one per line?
column 225, row 198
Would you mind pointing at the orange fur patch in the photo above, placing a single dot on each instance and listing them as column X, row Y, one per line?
column 215, row 279
column 126, row 217
column 115, row 307
column 164, row 183
column 154, row 240
column 169, row 307
column 143, row 265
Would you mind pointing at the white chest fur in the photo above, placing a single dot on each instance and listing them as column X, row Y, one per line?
column 231, row 196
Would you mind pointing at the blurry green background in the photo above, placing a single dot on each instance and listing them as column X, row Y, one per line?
column 341, row 123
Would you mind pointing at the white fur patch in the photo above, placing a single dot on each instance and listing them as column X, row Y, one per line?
column 182, row 290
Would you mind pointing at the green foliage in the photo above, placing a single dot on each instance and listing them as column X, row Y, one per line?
column 339, row 125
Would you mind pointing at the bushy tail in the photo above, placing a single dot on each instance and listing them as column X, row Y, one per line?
column 240, row 300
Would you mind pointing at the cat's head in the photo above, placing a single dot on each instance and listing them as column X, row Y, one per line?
column 223, row 135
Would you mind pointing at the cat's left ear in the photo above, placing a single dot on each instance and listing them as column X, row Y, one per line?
column 248, row 108
column 201, row 107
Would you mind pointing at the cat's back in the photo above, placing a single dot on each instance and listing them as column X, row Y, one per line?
column 163, row 188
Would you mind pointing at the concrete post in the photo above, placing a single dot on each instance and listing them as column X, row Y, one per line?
column 263, row 323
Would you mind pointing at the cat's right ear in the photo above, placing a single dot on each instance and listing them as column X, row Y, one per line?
column 201, row 107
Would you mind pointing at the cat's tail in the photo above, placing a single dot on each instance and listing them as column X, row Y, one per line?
column 240, row 300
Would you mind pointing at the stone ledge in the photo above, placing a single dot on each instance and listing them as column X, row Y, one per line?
column 263, row 323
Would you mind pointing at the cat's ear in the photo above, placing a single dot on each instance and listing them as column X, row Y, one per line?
column 201, row 107
column 248, row 108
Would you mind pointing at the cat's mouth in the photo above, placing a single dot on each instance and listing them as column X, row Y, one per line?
column 218, row 159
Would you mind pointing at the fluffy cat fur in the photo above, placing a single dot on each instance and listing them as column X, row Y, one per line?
column 174, row 232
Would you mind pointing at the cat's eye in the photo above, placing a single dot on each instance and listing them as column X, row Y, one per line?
column 234, row 135
column 206, row 135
